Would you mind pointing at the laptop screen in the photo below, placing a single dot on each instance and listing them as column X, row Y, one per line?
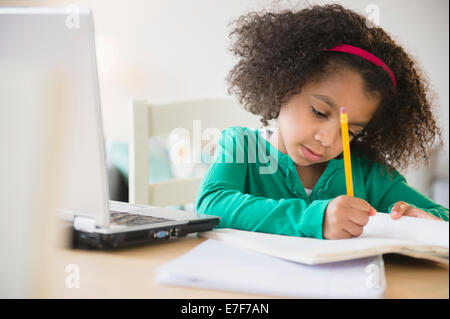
column 62, row 42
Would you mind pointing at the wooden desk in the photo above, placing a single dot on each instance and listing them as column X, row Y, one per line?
column 130, row 274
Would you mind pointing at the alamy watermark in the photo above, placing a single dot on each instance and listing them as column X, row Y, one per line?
column 73, row 277
column 373, row 15
column 72, row 20
column 373, row 280
column 206, row 146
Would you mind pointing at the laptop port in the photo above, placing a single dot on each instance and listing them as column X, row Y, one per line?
column 161, row 234
column 136, row 235
column 174, row 232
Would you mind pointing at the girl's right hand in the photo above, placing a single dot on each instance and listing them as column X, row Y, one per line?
column 345, row 217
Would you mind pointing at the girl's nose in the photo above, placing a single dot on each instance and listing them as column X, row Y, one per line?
column 319, row 137
column 327, row 136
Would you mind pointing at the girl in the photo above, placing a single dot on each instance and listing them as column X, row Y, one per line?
column 299, row 68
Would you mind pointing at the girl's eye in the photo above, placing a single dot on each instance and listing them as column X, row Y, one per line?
column 317, row 113
column 321, row 115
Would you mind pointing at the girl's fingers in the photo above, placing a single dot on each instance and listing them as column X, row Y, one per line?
column 353, row 229
column 398, row 210
column 358, row 217
column 345, row 234
column 415, row 212
column 361, row 204
column 403, row 209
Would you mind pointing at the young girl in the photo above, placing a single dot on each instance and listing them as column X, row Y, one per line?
column 300, row 68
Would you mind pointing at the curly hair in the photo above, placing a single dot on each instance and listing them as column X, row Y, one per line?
column 279, row 52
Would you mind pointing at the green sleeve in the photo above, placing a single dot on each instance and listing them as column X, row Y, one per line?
column 221, row 193
column 387, row 190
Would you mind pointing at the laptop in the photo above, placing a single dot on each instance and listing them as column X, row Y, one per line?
column 61, row 40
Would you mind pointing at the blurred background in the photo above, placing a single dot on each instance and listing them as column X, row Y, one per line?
column 173, row 50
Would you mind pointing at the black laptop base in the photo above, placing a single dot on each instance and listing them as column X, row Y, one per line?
column 86, row 240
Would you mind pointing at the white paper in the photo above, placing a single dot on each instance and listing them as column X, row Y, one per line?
column 408, row 235
column 419, row 230
column 222, row 266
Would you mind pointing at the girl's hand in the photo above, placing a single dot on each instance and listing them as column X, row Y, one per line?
column 404, row 209
column 345, row 217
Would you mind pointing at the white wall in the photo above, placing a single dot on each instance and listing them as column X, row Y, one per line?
column 166, row 50
column 173, row 49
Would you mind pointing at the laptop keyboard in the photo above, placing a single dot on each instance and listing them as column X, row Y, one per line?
column 121, row 218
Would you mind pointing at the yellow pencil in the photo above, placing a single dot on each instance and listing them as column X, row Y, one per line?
column 346, row 147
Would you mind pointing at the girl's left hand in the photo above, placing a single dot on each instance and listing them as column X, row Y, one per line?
column 404, row 209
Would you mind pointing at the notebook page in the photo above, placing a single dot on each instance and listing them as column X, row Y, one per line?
column 239, row 269
column 423, row 231
column 381, row 236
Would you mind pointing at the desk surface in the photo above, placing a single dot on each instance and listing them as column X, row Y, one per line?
column 130, row 274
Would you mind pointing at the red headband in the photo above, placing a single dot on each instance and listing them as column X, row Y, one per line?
column 364, row 54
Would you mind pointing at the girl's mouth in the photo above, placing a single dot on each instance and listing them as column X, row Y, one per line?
column 310, row 155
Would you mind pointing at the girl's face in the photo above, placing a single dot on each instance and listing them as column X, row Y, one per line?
column 309, row 128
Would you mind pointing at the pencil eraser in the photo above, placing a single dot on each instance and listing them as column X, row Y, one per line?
column 343, row 109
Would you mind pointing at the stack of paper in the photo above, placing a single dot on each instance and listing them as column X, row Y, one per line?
column 222, row 266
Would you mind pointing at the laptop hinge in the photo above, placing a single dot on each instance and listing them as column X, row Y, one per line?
column 84, row 224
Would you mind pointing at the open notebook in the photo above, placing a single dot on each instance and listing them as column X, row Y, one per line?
column 416, row 237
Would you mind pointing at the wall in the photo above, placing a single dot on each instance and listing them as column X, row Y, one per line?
column 172, row 49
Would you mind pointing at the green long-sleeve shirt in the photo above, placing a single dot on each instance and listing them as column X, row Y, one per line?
column 253, row 186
